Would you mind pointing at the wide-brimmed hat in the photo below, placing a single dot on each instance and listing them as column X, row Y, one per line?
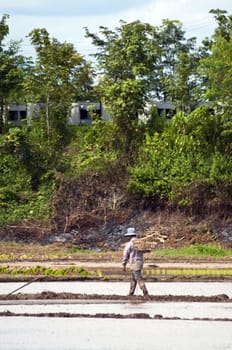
column 130, row 232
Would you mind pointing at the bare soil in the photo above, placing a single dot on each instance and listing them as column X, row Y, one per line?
column 92, row 213
column 135, row 299
column 89, row 232
column 222, row 298
column 110, row 315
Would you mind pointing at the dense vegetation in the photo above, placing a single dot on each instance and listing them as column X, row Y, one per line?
column 182, row 161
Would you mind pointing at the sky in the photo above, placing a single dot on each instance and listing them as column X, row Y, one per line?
column 65, row 19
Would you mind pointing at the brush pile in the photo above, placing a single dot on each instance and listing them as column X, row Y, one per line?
column 150, row 241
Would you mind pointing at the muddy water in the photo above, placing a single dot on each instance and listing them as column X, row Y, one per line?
column 121, row 288
column 167, row 309
column 78, row 333
column 18, row 333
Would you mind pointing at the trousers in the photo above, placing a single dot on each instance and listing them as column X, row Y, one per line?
column 136, row 278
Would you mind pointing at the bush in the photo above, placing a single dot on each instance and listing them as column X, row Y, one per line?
column 90, row 149
column 17, row 199
column 183, row 157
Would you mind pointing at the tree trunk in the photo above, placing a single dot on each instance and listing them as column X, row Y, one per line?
column 48, row 126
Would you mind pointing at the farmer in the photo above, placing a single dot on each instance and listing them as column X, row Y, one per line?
column 135, row 259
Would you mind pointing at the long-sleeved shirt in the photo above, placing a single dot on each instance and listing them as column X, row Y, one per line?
column 134, row 257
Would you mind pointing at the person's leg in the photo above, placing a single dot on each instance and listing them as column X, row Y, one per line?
column 139, row 278
column 133, row 284
column 143, row 286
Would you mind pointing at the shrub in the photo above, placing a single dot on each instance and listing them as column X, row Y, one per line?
column 185, row 156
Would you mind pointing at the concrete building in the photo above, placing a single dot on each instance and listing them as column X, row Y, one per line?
column 17, row 113
column 81, row 113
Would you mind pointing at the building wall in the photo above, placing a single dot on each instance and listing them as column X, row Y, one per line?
column 17, row 113
column 81, row 113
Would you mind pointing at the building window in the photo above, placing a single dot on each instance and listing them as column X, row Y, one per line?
column 23, row 114
column 13, row 115
column 83, row 113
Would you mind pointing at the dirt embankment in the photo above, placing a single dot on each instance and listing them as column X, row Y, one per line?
column 109, row 235
column 94, row 211
column 83, row 298
column 47, row 295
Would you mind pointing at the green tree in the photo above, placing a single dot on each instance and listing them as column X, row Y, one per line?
column 185, row 83
column 186, row 163
column 12, row 69
column 59, row 76
column 218, row 65
column 176, row 66
column 126, row 59
column 138, row 63
column 217, row 70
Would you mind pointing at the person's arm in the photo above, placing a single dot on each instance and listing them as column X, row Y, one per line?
column 126, row 255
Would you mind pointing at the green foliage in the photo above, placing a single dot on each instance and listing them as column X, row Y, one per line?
column 45, row 271
column 217, row 66
column 14, row 189
column 182, row 160
column 185, row 161
column 14, row 180
column 175, row 66
column 197, row 250
column 43, row 153
column 91, row 149
column 13, row 67
column 16, row 205
column 58, row 76
column 18, row 199
column 77, row 250
column 127, row 61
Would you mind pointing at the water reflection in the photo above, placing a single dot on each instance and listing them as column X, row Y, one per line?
column 167, row 309
column 121, row 288
column 18, row 333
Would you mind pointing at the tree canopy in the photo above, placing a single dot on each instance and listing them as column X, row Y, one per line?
column 183, row 161
column 60, row 76
column 12, row 70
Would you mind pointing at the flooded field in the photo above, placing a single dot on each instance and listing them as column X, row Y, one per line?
column 180, row 310
column 103, row 318
column 18, row 333
column 121, row 288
